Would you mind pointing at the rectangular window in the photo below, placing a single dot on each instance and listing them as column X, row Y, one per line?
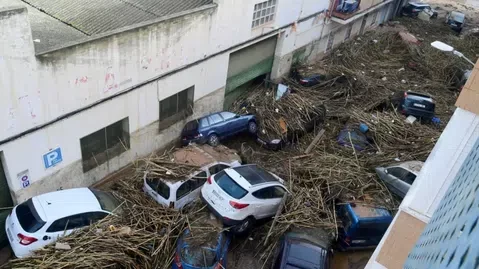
column 176, row 107
column 348, row 32
column 102, row 145
column 263, row 13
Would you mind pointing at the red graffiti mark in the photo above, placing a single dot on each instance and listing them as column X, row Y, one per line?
column 110, row 82
column 81, row 80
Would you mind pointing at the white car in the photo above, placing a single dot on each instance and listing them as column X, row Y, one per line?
column 241, row 195
column 179, row 193
column 42, row 219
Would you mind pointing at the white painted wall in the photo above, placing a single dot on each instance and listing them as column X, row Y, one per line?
column 439, row 170
column 142, row 108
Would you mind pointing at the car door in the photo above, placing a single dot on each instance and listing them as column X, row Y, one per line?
column 397, row 183
column 190, row 189
column 217, row 125
column 64, row 226
column 233, row 124
column 269, row 199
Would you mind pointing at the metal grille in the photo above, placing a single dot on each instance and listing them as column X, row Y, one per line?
column 451, row 238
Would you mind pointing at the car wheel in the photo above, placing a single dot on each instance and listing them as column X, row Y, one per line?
column 252, row 127
column 245, row 226
column 213, row 140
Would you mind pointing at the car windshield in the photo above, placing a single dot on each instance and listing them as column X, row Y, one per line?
column 198, row 256
column 107, row 201
column 346, row 218
column 28, row 217
column 228, row 185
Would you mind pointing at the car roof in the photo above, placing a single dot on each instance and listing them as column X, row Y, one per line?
column 419, row 4
column 365, row 212
column 253, row 175
column 304, row 254
column 59, row 204
column 458, row 15
column 412, row 166
column 418, row 95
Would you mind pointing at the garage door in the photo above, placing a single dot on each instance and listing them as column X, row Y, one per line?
column 247, row 64
column 5, row 202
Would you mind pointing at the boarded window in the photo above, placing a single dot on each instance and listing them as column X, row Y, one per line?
column 105, row 144
column 176, row 107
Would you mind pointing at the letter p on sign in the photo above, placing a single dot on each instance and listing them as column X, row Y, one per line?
column 52, row 158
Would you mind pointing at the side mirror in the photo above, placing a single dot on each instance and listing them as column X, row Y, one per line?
column 386, row 171
column 237, row 116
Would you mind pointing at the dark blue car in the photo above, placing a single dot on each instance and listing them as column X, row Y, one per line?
column 211, row 255
column 212, row 128
column 303, row 250
column 363, row 226
column 415, row 104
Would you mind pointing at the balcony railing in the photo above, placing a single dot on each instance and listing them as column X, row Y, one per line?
column 345, row 9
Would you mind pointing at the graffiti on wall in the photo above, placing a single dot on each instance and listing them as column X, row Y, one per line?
column 110, row 80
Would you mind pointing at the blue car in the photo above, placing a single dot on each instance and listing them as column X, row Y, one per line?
column 210, row 256
column 212, row 128
column 363, row 226
column 302, row 250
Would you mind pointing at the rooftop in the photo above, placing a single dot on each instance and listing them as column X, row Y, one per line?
column 57, row 22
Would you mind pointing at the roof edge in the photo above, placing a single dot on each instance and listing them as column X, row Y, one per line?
column 125, row 29
column 9, row 10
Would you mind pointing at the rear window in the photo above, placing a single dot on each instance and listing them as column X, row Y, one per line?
column 191, row 126
column 159, row 187
column 28, row 217
column 198, row 257
column 107, row 201
column 228, row 185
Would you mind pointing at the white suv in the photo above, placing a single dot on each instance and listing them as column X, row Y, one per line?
column 241, row 195
column 42, row 219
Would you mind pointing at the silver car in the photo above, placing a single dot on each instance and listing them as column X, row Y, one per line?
column 399, row 177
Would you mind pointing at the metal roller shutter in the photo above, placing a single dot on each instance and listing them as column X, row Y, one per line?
column 247, row 64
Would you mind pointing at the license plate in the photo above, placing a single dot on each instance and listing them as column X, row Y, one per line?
column 217, row 195
column 9, row 234
column 419, row 105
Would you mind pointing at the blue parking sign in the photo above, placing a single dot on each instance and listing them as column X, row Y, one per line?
column 52, row 158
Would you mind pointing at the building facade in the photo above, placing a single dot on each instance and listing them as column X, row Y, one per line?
column 436, row 221
column 86, row 92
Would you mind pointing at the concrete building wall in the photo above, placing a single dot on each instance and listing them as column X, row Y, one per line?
column 18, row 73
column 423, row 198
column 140, row 106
